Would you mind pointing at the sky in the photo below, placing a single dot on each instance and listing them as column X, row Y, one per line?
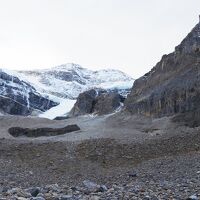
column 129, row 35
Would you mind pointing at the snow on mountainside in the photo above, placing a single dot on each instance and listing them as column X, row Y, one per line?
column 19, row 97
column 54, row 91
column 64, row 83
column 69, row 80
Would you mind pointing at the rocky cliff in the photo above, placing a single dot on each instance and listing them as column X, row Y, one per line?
column 17, row 97
column 173, row 85
column 99, row 102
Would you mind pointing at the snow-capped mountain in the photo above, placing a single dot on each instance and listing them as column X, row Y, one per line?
column 54, row 91
column 19, row 97
column 69, row 80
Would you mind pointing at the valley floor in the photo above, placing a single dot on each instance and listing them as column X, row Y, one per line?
column 134, row 157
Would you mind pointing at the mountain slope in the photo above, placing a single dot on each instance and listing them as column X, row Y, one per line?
column 69, row 80
column 64, row 83
column 173, row 85
column 54, row 91
column 19, row 97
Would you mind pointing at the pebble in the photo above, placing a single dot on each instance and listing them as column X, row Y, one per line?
column 92, row 191
column 34, row 191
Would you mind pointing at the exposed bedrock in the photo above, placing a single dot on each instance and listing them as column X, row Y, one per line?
column 18, row 97
column 96, row 101
column 173, row 85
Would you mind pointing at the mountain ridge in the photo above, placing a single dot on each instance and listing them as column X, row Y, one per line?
column 76, row 79
column 172, row 86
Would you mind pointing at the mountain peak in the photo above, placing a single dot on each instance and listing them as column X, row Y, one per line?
column 69, row 80
column 191, row 43
column 67, row 66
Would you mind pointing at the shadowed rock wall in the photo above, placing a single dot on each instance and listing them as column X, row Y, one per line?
column 173, row 85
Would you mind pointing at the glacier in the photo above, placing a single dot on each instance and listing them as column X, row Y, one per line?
column 62, row 84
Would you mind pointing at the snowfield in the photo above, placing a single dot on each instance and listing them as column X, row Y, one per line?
column 69, row 80
column 62, row 109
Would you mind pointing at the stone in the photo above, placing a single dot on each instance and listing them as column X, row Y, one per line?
column 102, row 188
column 91, row 186
column 53, row 188
column 132, row 174
column 34, row 191
column 21, row 198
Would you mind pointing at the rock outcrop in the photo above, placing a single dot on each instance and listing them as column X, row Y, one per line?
column 106, row 103
column 84, row 103
column 17, row 97
column 173, row 85
column 99, row 102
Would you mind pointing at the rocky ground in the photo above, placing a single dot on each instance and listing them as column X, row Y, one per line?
column 112, row 157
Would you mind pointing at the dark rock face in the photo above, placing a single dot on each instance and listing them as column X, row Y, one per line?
column 38, row 132
column 173, row 85
column 70, row 76
column 107, row 103
column 84, row 103
column 39, row 102
column 96, row 101
column 11, row 106
column 191, row 119
column 20, row 98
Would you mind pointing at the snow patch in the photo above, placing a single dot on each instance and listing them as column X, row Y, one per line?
column 62, row 109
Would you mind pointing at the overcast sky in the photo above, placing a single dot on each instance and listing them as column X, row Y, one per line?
column 130, row 35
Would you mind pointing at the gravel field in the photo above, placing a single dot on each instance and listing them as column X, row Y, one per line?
column 111, row 157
